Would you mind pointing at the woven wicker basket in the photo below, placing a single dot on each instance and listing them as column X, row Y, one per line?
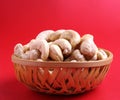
column 61, row 77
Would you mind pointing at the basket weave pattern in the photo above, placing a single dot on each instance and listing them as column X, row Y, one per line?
column 60, row 80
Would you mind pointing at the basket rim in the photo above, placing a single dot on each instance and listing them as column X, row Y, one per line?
column 35, row 63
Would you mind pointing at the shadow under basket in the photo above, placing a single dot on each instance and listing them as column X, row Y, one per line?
column 61, row 77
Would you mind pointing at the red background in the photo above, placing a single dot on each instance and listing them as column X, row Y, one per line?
column 22, row 20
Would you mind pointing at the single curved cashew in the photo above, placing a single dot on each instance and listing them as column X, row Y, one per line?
column 42, row 46
column 88, row 48
column 33, row 44
column 64, row 45
column 18, row 49
column 56, row 35
column 71, row 36
column 77, row 55
column 32, row 55
column 45, row 35
column 101, row 54
column 55, row 53
column 87, row 36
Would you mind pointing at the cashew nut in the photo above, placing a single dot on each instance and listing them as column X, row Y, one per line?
column 76, row 55
column 60, row 31
column 32, row 55
column 18, row 49
column 55, row 53
column 23, row 52
column 45, row 35
column 101, row 54
column 33, row 44
column 88, row 48
column 71, row 36
column 87, row 36
column 56, row 35
column 42, row 46
column 64, row 45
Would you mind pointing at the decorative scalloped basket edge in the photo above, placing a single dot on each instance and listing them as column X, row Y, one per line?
column 64, row 78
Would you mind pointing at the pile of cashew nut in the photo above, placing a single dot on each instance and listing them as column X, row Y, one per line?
column 60, row 45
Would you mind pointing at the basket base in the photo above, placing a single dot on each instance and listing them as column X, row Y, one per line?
column 61, row 81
